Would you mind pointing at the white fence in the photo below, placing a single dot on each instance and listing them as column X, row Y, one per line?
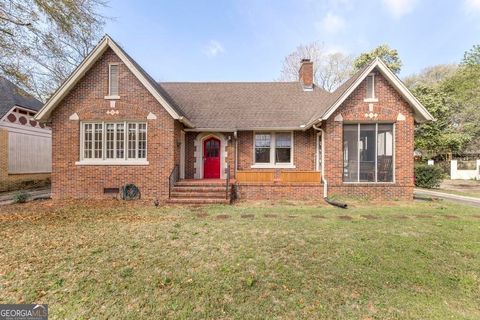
column 29, row 153
column 455, row 173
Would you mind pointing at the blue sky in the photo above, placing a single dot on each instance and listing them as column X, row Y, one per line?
column 247, row 40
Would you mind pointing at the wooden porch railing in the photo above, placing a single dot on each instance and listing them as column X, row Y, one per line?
column 300, row 176
column 255, row 176
column 285, row 176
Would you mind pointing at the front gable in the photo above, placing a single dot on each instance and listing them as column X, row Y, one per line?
column 356, row 90
column 108, row 46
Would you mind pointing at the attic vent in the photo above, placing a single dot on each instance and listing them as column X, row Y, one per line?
column 113, row 80
column 111, row 190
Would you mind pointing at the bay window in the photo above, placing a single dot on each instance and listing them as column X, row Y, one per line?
column 368, row 152
column 113, row 141
column 273, row 149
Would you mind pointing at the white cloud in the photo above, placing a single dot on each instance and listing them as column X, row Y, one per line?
column 399, row 8
column 472, row 6
column 331, row 23
column 213, row 49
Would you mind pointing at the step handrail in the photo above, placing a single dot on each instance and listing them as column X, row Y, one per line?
column 173, row 178
column 227, row 196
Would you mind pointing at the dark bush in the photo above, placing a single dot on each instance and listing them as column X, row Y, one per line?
column 428, row 176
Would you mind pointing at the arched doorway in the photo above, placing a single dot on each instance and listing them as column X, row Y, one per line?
column 211, row 158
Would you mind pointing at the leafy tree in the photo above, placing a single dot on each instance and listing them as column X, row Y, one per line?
column 442, row 135
column 41, row 41
column 384, row 52
column 472, row 57
column 330, row 69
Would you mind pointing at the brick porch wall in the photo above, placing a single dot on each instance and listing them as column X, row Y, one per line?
column 135, row 103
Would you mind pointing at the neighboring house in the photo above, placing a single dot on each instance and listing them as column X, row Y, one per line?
column 113, row 124
column 25, row 144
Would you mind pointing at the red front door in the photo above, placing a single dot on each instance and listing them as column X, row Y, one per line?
column 211, row 158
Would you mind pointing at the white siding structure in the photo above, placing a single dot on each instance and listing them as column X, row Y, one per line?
column 29, row 147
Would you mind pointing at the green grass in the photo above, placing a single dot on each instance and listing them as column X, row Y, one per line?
column 124, row 260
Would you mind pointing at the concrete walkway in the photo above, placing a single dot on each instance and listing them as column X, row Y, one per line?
column 453, row 197
column 34, row 194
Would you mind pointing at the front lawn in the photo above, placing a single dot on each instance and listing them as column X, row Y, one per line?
column 258, row 260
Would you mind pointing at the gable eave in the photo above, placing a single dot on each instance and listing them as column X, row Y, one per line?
column 421, row 113
column 44, row 113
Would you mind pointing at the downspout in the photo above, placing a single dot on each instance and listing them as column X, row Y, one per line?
column 235, row 136
column 324, row 181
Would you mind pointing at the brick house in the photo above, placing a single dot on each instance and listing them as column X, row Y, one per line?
column 189, row 142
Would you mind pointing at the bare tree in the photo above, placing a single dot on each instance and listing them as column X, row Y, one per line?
column 330, row 69
column 41, row 41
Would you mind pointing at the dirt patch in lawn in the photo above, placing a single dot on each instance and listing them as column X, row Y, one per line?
column 345, row 217
column 292, row 216
column 248, row 216
column 400, row 217
column 202, row 215
column 369, row 217
column 450, row 217
column 222, row 216
column 423, row 216
column 271, row 215
column 318, row 216
column 476, row 216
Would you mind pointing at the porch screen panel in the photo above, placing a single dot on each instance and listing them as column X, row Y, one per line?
column 367, row 147
column 385, row 153
column 350, row 153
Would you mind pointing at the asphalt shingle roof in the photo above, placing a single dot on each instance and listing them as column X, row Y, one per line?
column 246, row 105
column 11, row 95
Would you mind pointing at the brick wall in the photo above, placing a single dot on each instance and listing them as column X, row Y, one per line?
column 389, row 105
column 15, row 181
column 135, row 103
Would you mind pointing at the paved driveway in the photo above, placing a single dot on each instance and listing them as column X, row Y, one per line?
column 443, row 195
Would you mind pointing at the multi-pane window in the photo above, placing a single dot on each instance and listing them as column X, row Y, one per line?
column 113, row 80
column 110, row 141
column 262, row 148
column 283, row 147
column 273, row 148
column 368, row 152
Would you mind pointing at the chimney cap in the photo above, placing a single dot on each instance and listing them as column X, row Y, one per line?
column 304, row 60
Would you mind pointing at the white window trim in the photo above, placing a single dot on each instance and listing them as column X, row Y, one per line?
column 272, row 164
column 110, row 96
column 115, row 161
column 394, row 142
column 373, row 98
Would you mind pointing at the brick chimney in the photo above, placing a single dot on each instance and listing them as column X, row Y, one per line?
column 305, row 74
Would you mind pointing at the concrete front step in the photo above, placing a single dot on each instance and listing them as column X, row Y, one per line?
column 199, row 183
column 198, row 201
column 198, row 194
column 198, row 189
